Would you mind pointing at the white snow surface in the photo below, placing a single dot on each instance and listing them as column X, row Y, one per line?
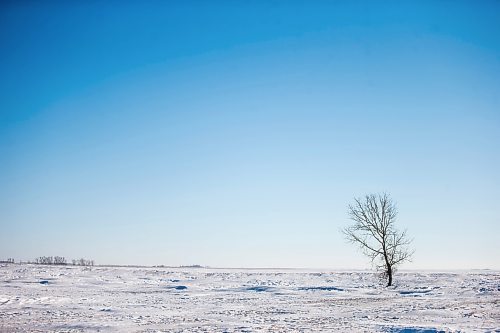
column 36, row 298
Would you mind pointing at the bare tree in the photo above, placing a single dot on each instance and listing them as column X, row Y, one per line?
column 59, row 260
column 44, row 260
column 82, row 262
column 374, row 231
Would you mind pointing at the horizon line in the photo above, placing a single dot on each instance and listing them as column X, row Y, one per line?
column 256, row 268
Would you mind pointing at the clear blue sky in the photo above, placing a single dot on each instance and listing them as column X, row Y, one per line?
column 236, row 133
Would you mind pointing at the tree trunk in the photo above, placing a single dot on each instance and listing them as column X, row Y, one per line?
column 388, row 266
column 389, row 274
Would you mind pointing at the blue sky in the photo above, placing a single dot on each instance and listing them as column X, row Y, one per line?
column 236, row 133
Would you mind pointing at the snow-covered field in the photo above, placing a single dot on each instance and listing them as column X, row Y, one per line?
column 126, row 299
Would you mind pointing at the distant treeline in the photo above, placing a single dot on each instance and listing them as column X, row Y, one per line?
column 8, row 261
column 62, row 261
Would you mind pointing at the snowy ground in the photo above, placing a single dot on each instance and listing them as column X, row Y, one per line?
column 117, row 299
